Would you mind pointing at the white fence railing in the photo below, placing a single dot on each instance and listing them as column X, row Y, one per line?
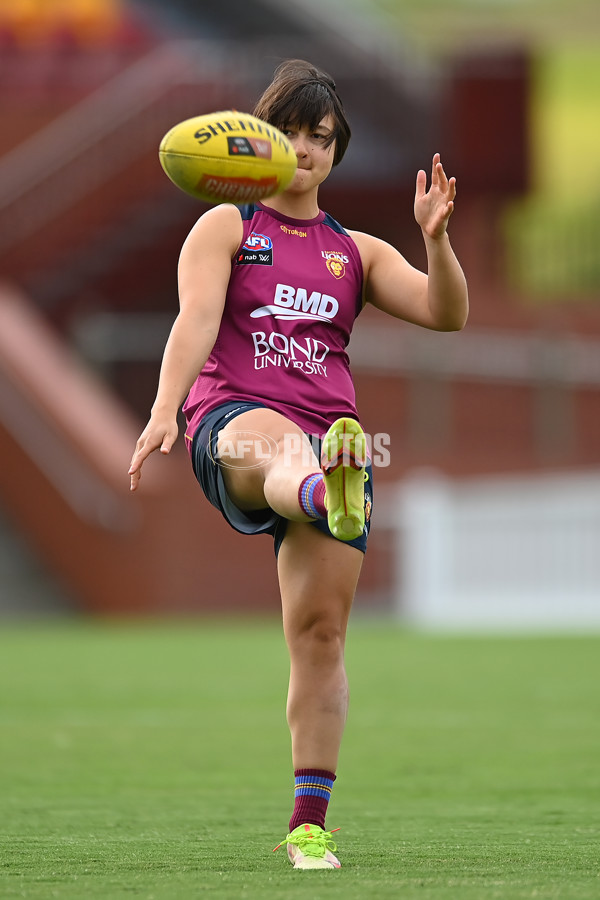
column 504, row 552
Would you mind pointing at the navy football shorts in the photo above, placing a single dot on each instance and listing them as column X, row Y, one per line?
column 262, row 521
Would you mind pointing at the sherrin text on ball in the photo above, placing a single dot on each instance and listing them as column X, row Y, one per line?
column 227, row 157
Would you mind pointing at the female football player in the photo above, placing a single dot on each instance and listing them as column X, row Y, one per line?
column 268, row 297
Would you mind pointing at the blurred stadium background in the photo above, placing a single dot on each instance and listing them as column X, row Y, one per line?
column 489, row 512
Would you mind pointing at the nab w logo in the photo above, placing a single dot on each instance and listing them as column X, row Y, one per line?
column 256, row 241
column 257, row 250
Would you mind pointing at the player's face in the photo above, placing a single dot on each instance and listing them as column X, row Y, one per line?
column 314, row 158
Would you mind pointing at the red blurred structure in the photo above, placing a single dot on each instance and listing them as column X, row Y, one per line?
column 90, row 231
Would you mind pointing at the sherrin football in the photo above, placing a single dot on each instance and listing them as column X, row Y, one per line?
column 227, row 157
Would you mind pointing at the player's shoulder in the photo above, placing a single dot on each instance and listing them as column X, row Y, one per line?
column 222, row 214
column 222, row 223
column 368, row 245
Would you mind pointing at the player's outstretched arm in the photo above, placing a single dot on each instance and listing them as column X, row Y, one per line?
column 204, row 270
column 437, row 299
column 447, row 294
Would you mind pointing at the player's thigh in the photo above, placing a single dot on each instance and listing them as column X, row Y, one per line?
column 241, row 438
column 251, row 444
column 318, row 576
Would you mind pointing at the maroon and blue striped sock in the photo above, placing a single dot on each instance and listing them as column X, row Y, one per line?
column 311, row 496
column 311, row 797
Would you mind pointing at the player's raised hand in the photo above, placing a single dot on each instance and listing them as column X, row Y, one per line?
column 157, row 434
column 434, row 207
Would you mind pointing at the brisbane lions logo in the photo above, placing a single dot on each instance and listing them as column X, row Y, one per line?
column 336, row 262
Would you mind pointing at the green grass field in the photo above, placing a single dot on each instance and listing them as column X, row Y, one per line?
column 152, row 761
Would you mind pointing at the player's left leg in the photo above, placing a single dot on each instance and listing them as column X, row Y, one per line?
column 288, row 477
column 318, row 577
column 273, row 481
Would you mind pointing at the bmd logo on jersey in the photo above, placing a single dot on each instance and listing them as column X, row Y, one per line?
column 257, row 250
column 297, row 303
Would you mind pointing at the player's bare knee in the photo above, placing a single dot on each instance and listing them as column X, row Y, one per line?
column 319, row 636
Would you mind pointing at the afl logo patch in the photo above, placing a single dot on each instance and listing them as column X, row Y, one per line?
column 257, row 250
column 256, row 241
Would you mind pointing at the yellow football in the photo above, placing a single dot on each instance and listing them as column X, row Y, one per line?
column 227, row 157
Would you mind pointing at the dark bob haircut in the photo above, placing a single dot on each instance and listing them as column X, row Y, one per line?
column 301, row 94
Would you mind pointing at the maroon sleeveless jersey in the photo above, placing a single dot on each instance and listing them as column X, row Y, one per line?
column 294, row 293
